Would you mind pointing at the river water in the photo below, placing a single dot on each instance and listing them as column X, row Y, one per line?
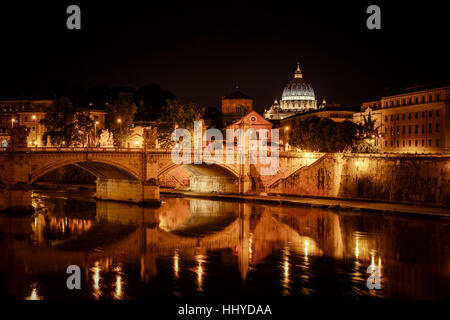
column 194, row 248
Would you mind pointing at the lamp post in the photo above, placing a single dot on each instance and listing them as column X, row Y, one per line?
column 35, row 129
column 286, row 129
column 119, row 121
column 12, row 122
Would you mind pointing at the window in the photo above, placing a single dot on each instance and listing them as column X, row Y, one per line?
column 437, row 99
column 409, row 101
column 430, row 98
column 403, row 130
column 397, row 117
column 26, row 118
column 409, row 143
column 429, row 143
column 386, row 118
column 423, row 99
column 385, row 143
column 423, row 114
column 416, row 115
column 403, row 117
column 409, row 115
column 403, row 143
column 397, row 143
column 423, row 128
column 437, row 142
column 437, row 127
column 385, row 130
column 423, row 143
column 437, row 113
column 429, row 114
column 417, row 100
column 392, row 131
column 409, row 129
column 415, row 128
column 398, row 130
column 392, row 117
column 415, row 143
column 429, row 128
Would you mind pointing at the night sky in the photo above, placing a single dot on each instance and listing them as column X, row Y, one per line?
column 200, row 50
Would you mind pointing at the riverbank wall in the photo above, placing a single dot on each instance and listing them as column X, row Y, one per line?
column 391, row 177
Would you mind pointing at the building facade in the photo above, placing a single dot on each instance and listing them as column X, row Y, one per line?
column 234, row 106
column 28, row 113
column 416, row 120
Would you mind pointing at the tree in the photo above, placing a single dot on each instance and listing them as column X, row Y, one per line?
column 367, row 135
column 317, row 134
column 177, row 115
column 60, row 122
column 119, row 117
column 151, row 100
column 84, row 127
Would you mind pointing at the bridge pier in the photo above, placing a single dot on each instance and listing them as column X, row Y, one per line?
column 16, row 199
column 135, row 191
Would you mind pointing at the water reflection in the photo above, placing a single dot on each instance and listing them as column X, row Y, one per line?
column 199, row 242
column 34, row 294
column 96, row 280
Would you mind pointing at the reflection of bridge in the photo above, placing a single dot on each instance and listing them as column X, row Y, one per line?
column 129, row 175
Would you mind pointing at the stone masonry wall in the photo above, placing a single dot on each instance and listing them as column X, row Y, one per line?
column 393, row 177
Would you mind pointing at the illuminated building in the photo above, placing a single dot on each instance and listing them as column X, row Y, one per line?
column 255, row 121
column 415, row 120
column 28, row 113
column 298, row 96
column 235, row 106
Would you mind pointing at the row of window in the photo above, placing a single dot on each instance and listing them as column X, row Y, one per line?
column 416, row 143
column 416, row 129
column 416, row 115
column 411, row 100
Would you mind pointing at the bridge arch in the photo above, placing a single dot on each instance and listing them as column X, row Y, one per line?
column 218, row 169
column 98, row 168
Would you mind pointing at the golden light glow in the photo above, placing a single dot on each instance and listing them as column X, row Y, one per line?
column 119, row 120
column 33, row 117
column 176, row 264
column 200, row 271
column 286, row 128
column 285, row 266
column 306, row 249
column 357, row 249
column 96, row 122
column 34, row 294
column 96, row 278
column 118, row 292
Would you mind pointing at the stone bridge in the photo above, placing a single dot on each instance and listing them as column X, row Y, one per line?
column 130, row 175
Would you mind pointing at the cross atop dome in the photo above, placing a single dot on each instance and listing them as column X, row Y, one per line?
column 298, row 72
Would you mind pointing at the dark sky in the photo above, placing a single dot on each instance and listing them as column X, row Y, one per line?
column 199, row 50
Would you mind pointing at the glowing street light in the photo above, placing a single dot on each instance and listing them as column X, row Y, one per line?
column 35, row 129
column 12, row 122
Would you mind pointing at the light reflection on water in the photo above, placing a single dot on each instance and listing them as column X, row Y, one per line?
column 192, row 247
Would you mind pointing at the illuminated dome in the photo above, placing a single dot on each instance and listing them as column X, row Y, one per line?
column 298, row 88
column 298, row 94
column 297, row 97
